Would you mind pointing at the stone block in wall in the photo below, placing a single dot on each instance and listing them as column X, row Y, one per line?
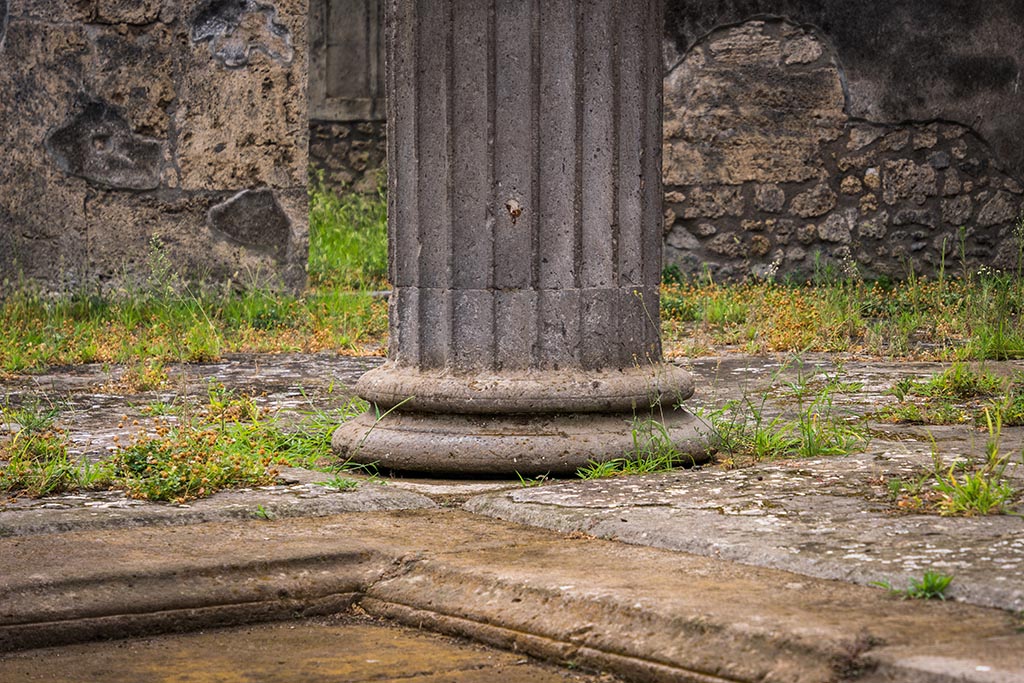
column 875, row 227
column 914, row 217
column 837, row 227
column 999, row 208
column 101, row 97
column 769, row 198
column 957, row 211
column 862, row 135
column 905, row 179
column 713, row 202
column 817, row 201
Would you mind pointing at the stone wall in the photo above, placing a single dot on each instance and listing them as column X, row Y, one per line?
column 829, row 136
column 134, row 127
column 348, row 156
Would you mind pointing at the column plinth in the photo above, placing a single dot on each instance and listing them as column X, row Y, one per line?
column 524, row 191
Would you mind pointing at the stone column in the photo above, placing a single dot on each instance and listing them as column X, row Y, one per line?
column 525, row 227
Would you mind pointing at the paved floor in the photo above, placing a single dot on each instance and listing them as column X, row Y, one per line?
column 753, row 574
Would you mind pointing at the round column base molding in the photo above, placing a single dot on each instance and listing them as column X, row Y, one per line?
column 529, row 445
column 535, row 391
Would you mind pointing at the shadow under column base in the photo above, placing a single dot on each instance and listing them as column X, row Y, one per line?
column 529, row 445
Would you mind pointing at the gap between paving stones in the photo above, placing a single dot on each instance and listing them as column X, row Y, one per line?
column 647, row 614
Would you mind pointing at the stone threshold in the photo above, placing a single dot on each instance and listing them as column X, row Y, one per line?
column 644, row 613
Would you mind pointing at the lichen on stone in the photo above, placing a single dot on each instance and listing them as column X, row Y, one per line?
column 235, row 29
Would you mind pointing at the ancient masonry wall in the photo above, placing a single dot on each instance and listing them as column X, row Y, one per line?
column 348, row 156
column 823, row 137
column 768, row 175
column 137, row 131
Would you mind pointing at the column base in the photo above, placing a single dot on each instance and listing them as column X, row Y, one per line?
column 507, row 444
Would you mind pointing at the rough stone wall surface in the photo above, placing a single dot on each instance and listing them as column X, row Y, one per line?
column 348, row 156
column 138, row 126
column 770, row 170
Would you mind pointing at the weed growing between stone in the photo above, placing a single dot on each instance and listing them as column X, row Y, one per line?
column 35, row 455
column 529, row 482
column 961, row 488
column 653, row 451
column 931, row 586
column 813, row 428
column 193, row 460
column 958, row 395
column 339, row 483
column 188, row 452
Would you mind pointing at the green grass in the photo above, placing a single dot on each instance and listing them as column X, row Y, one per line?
column 940, row 412
column 653, row 451
column 348, row 240
column 959, row 381
column 974, row 317
column 810, row 426
column 37, row 458
column 340, row 483
column 931, row 586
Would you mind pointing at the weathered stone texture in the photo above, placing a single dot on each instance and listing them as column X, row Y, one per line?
column 98, row 145
column 758, row 110
column 526, row 230
column 735, row 111
column 124, row 130
column 348, row 155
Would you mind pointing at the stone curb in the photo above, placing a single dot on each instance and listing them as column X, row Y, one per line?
column 647, row 614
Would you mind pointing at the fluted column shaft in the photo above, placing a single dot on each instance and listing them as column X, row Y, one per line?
column 525, row 184
column 524, row 189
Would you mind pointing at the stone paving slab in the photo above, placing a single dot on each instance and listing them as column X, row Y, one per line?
column 824, row 517
column 807, row 517
column 644, row 613
column 299, row 493
column 311, row 651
